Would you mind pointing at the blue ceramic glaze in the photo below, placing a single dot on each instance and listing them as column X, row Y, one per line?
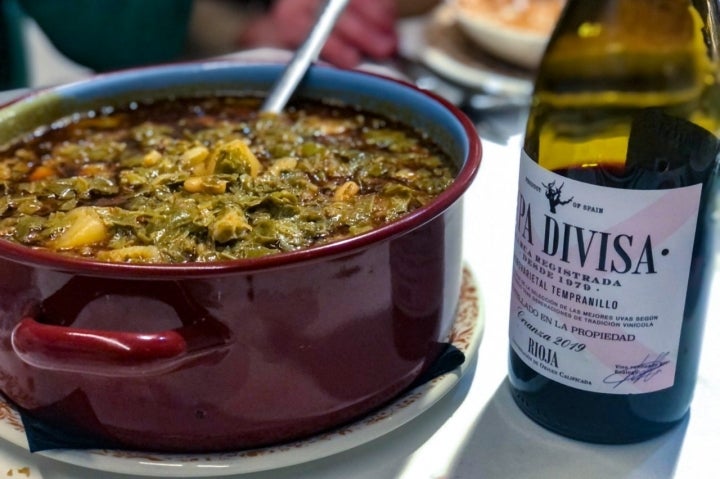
column 398, row 100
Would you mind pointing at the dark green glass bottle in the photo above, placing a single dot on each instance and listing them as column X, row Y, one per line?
column 613, row 249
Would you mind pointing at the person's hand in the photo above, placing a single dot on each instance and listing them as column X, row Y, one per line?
column 366, row 29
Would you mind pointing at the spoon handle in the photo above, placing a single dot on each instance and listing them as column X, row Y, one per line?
column 304, row 56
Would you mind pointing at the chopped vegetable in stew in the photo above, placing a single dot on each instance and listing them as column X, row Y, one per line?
column 212, row 179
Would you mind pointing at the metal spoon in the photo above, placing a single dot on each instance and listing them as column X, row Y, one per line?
column 304, row 56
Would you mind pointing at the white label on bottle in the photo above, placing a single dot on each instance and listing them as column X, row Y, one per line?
column 599, row 281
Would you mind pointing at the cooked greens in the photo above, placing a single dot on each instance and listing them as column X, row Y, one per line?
column 211, row 179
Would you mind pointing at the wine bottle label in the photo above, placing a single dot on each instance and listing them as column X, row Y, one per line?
column 600, row 277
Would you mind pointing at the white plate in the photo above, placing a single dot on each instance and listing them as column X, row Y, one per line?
column 518, row 47
column 515, row 31
column 451, row 54
column 466, row 335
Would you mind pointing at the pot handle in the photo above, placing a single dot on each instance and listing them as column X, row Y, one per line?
column 52, row 347
column 46, row 340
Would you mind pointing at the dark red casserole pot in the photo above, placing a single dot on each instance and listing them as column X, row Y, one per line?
column 221, row 356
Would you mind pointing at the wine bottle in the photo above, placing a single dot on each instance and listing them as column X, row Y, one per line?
column 613, row 244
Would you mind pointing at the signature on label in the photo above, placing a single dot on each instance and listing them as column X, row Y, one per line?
column 645, row 371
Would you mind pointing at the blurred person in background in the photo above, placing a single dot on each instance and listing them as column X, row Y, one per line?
column 104, row 36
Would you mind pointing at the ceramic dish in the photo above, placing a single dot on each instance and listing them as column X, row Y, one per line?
column 450, row 53
column 516, row 31
column 235, row 354
column 466, row 335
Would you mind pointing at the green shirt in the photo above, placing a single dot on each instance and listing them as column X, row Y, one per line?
column 99, row 34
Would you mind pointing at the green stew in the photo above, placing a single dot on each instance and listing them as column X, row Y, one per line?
column 211, row 179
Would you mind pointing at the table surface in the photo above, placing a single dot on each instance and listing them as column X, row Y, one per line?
column 476, row 431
